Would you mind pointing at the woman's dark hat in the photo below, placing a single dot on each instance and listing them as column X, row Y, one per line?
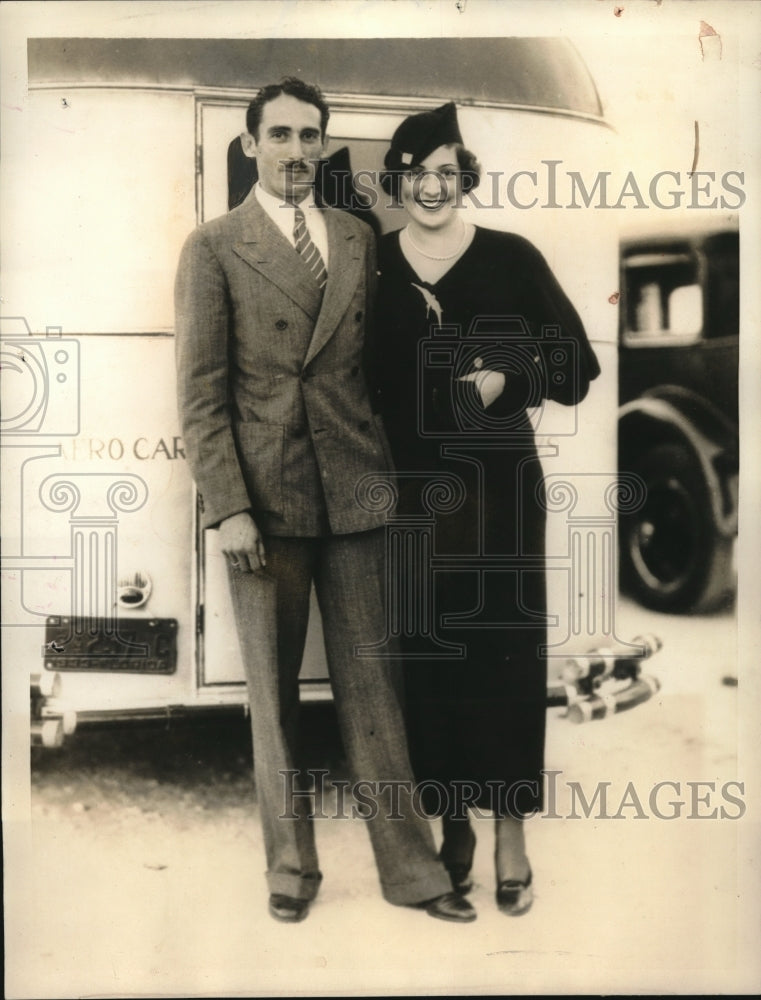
column 419, row 135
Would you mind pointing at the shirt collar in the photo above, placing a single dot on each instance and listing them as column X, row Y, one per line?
column 275, row 203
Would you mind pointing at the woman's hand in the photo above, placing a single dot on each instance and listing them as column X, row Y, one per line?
column 490, row 384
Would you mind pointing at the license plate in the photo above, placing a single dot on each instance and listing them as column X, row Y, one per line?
column 124, row 645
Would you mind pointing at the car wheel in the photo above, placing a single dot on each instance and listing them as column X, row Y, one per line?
column 673, row 558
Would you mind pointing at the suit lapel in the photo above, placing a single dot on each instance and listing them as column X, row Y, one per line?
column 263, row 246
column 344, row 267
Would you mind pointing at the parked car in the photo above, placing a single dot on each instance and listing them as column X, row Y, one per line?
column 678, row 416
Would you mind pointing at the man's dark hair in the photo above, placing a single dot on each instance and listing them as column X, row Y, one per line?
column 470, row 174
column 293, row 87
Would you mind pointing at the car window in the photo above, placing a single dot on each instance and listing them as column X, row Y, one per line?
column 663, row 299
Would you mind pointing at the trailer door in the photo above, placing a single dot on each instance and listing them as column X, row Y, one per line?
column 219, row 120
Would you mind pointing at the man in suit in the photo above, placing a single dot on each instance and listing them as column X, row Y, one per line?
column 271, row 304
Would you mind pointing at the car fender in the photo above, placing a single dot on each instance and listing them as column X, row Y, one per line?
column 659, row 418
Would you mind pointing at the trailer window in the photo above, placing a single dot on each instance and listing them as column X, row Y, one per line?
column 362, row 135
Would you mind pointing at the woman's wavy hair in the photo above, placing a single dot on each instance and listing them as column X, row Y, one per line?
column 470, row 173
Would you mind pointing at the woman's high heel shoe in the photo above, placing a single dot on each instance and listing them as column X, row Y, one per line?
column 459, row 876
column 455, row 834
column 515, row 897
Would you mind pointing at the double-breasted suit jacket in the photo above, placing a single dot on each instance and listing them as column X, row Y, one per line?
column 271, row 385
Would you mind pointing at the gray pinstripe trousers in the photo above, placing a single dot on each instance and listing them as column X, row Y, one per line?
column 271, row 610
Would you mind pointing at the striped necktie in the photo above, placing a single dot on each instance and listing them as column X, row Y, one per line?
column 307, row 249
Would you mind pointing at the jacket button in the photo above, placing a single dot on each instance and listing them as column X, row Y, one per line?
column 299, row 432
column 281, row 324
column 304, row 376
column 365, row 425
column 355, row 370
column 358, row 316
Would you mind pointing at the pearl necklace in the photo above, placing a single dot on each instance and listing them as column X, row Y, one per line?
column 432, row 256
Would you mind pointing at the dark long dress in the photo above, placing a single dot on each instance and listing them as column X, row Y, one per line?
column 476, row 720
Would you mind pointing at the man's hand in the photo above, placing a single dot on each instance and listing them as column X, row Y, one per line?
column 490, row 384
column 242, row 543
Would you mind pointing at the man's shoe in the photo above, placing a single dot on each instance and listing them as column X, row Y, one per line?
column 450, row 906
column 515, row 897
column 287, row 909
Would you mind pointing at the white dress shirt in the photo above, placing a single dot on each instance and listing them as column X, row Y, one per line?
column 284, row 217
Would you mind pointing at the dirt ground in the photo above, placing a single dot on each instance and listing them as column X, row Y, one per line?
column 143, row 868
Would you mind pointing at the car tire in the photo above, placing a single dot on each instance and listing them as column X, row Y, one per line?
column 672, row 556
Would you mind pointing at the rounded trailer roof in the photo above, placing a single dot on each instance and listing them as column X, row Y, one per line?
column 539, row 73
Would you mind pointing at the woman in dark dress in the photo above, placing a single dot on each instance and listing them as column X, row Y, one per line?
column 463, row 351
